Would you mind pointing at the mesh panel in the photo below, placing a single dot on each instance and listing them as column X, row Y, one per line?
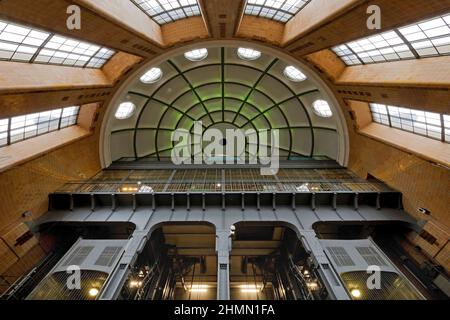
column 78, row 256
column 340, row 256
column 371, row 256
column 108, row 256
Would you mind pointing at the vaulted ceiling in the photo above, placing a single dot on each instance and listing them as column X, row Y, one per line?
column 222, row 91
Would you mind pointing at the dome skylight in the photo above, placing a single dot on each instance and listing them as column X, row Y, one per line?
column 322, row 109
column 125, row 110
column 196, row 55
column 248, row 54
column 293, row 74
column 152, row 76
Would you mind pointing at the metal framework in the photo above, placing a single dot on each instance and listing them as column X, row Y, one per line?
column 22, row 44
column 224, row 180
column 278, row 10
column 256, row 119
column 429, row 38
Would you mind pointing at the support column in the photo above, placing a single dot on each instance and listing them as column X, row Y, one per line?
column 120, row 274
column 223, row 248
column 324, row 267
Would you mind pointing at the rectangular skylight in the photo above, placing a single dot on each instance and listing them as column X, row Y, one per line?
column 23, row 44
column 428, row 124
column 427, row 38
column 20, row 128
column 165, row 11
column 278, row 10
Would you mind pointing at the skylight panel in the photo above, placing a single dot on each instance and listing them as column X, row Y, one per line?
column 447, row 128
column 23, row 44
column 4, row 132
column 428, row 124
column 23, row 127
column 278, row 10
column 165, row 11
column 425, row 39
column 322, row 109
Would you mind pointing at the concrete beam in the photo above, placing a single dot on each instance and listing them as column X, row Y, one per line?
column 222, row 17
column 418, row 83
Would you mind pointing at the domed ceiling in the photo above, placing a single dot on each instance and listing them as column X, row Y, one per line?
column 223, row 91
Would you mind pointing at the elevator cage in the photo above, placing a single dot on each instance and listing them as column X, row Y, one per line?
column 82, row 272
column 367, row 273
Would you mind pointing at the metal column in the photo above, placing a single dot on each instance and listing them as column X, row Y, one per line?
column 323, row 265
column 223, row 248
column 114, row 284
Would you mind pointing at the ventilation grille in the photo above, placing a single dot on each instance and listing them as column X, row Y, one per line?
column 78, row 256
column 340, row 256
column 371, row 256
column 108, row 256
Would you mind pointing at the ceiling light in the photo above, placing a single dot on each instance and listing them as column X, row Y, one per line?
column 250, row 288
column 93, row 292
column 151, row 76
column 356, row 293
column 199, row 288
column 135, row 284
column 125, row 110
column 293, row 74
column 196, row 55
column 248, row 54
column 312, row 285
column 322, row 109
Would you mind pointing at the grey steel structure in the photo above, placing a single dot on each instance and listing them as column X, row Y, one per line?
column 127, row 195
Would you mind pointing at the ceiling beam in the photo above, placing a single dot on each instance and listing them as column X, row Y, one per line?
column 323, row 24
column 22, row 94
column 114, row 23
column 16, row 104
column 417, row 83
column 222, row 17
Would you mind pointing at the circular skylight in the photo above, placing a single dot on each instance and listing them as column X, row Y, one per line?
column 293, row 74
column 151, row 76
column 125, row 110
column 196, row 55
column 322, row 109
column 248, row 54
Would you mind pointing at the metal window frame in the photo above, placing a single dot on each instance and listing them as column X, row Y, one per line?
column 168, row 12
column 50, row 36
column 390, row 116
column 8, row 132
column 409, row 44
column 277, row 10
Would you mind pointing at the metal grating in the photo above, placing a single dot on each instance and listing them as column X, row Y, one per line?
column 371, row 256
column 393, row 286
column 54, row 287
column 78, row 256
column 108, row 256
column 224, row 180
column 340, row 256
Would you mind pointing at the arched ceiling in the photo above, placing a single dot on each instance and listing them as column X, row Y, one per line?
column 223, row 91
